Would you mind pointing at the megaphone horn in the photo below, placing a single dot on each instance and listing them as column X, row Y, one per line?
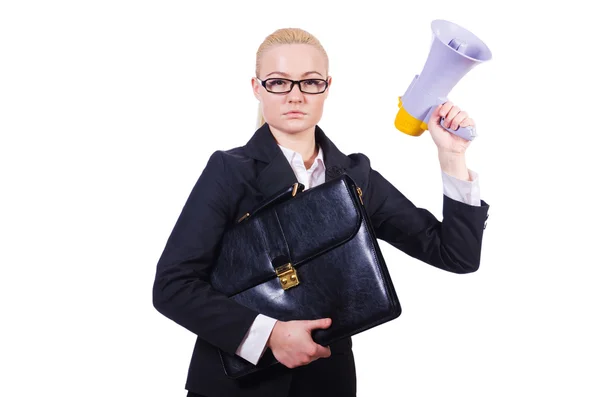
column 454, row 51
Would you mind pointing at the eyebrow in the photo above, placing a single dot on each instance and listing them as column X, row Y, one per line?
column 287, row 75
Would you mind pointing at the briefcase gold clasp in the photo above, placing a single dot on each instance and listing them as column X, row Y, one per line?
column 295, row 189
column 360, row 193
column 246, row 215
column 287, row 276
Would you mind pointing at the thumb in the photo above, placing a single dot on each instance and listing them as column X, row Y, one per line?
column 320, row 323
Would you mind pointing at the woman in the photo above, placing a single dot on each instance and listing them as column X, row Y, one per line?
column 291, row 84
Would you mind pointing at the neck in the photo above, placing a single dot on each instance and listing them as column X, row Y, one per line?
column 302, row 142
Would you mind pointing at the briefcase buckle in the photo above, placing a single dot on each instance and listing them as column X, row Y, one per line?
column 287, row 276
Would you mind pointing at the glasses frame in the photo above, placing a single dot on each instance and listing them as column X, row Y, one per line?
column 294, row 82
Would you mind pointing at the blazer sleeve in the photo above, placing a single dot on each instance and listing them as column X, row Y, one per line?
column 182, row 290
column 454, row 244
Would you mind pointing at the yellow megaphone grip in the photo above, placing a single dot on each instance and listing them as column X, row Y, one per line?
column 408, row 124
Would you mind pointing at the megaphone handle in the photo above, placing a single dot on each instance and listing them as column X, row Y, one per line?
column 467, row 133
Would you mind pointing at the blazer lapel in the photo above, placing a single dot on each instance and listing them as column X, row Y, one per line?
column 336, row 162
column 276, row 173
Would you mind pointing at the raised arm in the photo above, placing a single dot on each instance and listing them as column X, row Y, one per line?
column 453, row 244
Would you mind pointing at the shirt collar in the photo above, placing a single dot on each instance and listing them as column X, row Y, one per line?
column 293, row 156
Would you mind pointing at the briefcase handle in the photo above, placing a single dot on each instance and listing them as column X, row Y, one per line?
column 279, row 197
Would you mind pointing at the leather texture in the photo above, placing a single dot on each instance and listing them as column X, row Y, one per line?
column 325, row 233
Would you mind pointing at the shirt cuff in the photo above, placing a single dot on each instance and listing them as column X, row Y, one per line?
column 463, row 191
column 254, row 343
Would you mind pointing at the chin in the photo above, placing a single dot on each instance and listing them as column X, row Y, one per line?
column 294, row 126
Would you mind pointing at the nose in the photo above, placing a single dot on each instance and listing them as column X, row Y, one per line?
column 295, row 95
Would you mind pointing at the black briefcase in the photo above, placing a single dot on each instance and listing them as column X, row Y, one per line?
column 306, row 255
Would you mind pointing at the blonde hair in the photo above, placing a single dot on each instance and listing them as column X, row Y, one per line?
column 286, row 36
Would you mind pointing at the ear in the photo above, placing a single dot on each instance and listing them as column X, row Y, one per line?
column 326, row 93
column 256, row 88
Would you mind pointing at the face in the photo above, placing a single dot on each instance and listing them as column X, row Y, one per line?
column 295, row 62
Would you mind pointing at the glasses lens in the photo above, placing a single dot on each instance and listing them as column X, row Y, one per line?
column 314, row 86
column 278, row 85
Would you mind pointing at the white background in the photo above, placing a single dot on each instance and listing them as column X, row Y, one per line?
column 109, row 111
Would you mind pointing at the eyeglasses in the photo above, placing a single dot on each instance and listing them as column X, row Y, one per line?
column 283, row 86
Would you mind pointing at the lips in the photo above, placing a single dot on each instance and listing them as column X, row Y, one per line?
column 295, row 112
column 294, row 115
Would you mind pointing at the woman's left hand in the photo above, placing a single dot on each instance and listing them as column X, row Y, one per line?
column 454, row 117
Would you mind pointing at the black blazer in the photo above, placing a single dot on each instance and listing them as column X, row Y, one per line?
column 232, row 183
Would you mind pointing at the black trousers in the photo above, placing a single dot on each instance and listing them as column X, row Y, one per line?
column 323, row 380
column 320, row 379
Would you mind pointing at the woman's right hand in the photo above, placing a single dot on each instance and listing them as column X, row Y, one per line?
column 292, row 344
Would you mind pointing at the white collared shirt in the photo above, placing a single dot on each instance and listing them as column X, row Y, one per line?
column 311, row 177
column 254, row 343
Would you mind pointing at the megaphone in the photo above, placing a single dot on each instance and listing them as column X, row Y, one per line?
column 454, row 51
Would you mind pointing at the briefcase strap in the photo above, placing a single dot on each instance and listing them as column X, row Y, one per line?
column 279, row 197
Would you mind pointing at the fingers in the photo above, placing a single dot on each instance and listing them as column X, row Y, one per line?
column 467, row 122
column 445, row 109
column 458, row 119
column 450, row 121
column 317, row 351
column 454, row 116
column 321, row 352
column 314, row 353
column 317, row 324
column 292, row 343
